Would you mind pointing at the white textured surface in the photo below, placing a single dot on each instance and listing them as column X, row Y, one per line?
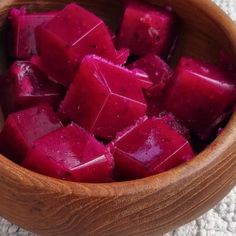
column 220, row 221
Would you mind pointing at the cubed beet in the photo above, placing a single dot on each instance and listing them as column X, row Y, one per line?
column 22, row 128
column 22, row 43
column 144, row 80
column 171, row 120
column 149, row 147
column 122, row 56
column 200, row 95
column 146, row 29
column 157, row 70
column 27, row 86
column 71, row 153
column 153, row 106
column 72, row 34
column 104, row 98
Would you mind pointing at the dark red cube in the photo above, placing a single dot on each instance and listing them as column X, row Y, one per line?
column 104, row 98
column 22, row 128
column 71, row 153
column 149, row 147
column 22, row 42
column 200, row 95
column 146, row 29
column 71, row 35
column 28, row 86
column 157, row 71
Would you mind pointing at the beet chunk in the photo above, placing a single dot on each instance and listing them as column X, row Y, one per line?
column 143, row 79
column 71, row 153
column 122, row 56
column 72, row 34
column 22, row 43
column 104, row 98
column 171, row 120
column 200, row 95
column 22, row 128
column 157, row 72
column 149, row 147
column 146, row 29
column 28, row 86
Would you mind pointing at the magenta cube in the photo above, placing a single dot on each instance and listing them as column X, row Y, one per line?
column 104, row 98
column 171, row 120
column 22, row 128
column 146, row 29
column 28, row 86
column 149, row 147
column 143, row 79
column 200, row 95
column 22, row 43
column 65, row 40
column 71, row 153
column 156, row 69
column 153, row 106
column 122, row 56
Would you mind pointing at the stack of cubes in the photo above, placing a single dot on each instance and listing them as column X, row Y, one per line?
column 72, row 84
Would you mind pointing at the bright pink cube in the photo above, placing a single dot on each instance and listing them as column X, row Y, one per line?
column 200, row 95
column 28, row 86
column 146, row 29
column 71, row 153
column 157, row 70
column 22, row 43
column 104, row 98
column 149, row 147
column 72, row 34
column 21, row 129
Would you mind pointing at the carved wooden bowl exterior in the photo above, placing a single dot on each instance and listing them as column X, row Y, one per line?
column 149, row 206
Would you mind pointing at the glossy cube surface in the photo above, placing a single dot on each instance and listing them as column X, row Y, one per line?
column 104, row 98
column 72, row 34
column 28, row 86
column 149, row 147
column 22, row 42
column 71, row 153
column 200, row 95
column 22, row 128
column 146, row 29
column 157, row 71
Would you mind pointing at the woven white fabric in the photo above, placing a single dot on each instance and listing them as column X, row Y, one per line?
column 220, row 221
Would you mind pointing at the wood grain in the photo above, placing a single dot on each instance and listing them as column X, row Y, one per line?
column 148, row 206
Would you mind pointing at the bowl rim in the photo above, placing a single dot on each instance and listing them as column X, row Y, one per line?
column 153, row 183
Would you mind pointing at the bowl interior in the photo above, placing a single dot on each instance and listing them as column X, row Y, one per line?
column 52, row 207
column 197, row 35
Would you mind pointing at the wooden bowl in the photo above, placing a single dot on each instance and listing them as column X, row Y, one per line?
column 149, row 206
